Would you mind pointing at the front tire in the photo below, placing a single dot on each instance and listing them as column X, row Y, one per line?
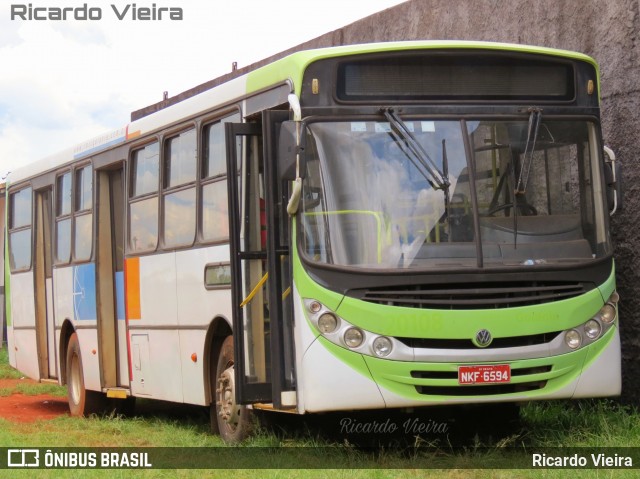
column 230, row 420
column 81, row 401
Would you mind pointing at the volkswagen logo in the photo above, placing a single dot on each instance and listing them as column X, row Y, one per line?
column 483, row 338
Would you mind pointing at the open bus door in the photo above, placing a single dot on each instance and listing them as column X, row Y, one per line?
column 43, row 282
column 260, row 266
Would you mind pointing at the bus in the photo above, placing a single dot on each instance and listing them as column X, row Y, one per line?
column 394, row 225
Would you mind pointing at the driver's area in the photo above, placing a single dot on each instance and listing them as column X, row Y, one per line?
column 534, row 195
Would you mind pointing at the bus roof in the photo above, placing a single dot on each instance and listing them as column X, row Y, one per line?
column 248, row 81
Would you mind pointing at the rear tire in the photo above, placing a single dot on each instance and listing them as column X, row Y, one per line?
column 81, row 401
column 233, row 422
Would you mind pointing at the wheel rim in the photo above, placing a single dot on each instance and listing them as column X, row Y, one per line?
column 227, row 408
column 75, row 379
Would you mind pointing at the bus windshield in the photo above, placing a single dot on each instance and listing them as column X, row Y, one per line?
column 429, row 194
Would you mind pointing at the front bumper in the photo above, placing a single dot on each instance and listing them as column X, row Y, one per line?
column 349, row 380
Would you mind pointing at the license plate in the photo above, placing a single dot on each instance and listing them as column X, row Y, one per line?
column 485, row 374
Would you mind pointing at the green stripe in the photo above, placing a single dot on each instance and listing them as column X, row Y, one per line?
column 7, row 266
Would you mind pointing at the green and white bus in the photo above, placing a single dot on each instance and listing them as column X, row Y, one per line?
column 390, row 225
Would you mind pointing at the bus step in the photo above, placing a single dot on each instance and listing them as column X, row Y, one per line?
column 117, row 393
column 49, row 381
column 269, row 407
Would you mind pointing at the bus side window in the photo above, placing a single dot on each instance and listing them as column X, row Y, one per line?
column 20, row 230
column 83, row 221
column 179, row 199
column 143, row 207
column 214, row 199
column 63, row 218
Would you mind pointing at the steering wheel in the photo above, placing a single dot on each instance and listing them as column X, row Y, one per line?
column 525, row 208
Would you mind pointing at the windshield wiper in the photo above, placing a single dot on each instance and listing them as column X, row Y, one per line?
column 535, row 118
column 419, row 157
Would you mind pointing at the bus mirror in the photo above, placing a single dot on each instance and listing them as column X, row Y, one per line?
column 613, row 181
column 290, row 152
column 617, row 170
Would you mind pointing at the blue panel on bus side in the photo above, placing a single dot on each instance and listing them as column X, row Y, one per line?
column 84, row 291
column 119, row 281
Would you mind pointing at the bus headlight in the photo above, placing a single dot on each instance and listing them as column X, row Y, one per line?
column 353, row 337
column 382, row 346
column 327, row 323
column 595, row 328
column 333, row 328
column 573, row 339
column 608, row 313
column 314, row 307
column 592, row 329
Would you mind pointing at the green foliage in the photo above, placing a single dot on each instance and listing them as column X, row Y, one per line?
column 483, row 433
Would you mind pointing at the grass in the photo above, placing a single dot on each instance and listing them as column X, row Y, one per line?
column 587, row 423
column 6, row 371
column 321, row 439
column 27, row 388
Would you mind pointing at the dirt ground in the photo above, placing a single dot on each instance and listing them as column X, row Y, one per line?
column 22, row 409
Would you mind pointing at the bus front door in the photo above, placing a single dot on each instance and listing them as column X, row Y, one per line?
column 259, row 249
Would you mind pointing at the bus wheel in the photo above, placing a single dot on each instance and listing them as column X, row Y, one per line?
column 231, row 420
column 81, row 401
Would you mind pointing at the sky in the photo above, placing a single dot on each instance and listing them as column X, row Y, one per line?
column 63, row 82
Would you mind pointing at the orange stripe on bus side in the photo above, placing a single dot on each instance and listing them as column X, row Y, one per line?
column 132, row 287
column 132, row 135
